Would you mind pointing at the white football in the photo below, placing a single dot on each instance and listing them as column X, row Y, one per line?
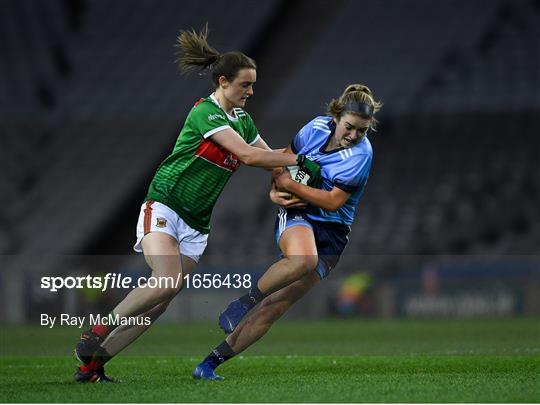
column 298, row 175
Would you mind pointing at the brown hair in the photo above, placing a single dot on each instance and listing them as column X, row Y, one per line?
column 354, row 93
column 196, row 55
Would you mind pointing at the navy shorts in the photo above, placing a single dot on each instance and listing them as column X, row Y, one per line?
column 330, row 237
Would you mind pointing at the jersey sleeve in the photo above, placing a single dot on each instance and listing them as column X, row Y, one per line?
column 301, row 138
column 354, row 176
column 208, row 119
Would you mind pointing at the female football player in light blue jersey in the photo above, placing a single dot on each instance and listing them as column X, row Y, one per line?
column 312, row 225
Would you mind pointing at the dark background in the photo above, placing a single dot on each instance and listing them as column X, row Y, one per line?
column 91, row 102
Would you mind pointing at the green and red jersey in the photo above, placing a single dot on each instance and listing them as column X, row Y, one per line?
column 192, row 177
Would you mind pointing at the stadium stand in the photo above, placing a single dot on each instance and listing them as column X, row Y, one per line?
column 415, row 203
column 94, row 102
column 111, row 119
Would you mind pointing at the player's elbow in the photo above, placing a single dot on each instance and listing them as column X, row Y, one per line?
column 333, row 205
column 245, row 155
column 247, row 160
column 249, row 157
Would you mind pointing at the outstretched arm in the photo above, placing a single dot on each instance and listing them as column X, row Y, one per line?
column 261, row 144
column 252, row 155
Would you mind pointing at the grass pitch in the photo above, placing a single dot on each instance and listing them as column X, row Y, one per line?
column 332, row 361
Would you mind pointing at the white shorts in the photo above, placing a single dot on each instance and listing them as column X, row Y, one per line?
column 157, row 217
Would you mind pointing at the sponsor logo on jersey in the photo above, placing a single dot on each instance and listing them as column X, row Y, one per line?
column 218, row 156
column 212, row 117
column 161, row 222
column 299, row 175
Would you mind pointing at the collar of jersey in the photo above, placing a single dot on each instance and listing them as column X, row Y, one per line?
column 332, row 127
column 214, row 100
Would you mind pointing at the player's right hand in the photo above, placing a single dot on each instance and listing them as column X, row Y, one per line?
column 285, row 199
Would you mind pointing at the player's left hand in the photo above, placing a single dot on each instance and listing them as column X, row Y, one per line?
column 281, row 197
column 281, row 179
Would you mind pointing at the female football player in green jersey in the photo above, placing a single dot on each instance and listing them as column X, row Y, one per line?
column 173, row 225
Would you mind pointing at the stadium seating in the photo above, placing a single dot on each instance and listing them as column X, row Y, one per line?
column 112, row 115
column 94, row 102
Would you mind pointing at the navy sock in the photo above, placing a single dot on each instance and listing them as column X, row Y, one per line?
column 253, row 297
column 220, row 354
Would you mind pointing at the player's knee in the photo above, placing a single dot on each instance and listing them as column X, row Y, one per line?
column 158, row 310
column 165, row 294
column 303, row 265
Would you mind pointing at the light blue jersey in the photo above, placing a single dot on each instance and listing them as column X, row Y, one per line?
column 345, row 168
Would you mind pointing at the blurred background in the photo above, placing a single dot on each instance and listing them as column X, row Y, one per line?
column 449, row 225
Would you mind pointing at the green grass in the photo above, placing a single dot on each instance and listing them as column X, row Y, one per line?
column 333, row 361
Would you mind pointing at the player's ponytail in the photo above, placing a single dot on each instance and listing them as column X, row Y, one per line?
column 194, row 51
column 355, row 99
column 195, row 54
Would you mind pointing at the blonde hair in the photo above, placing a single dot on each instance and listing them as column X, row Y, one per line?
column 195, row 54
column 354, row 93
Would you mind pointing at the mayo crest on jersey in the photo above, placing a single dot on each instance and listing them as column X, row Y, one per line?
column 345, row 168
column 191, row 178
